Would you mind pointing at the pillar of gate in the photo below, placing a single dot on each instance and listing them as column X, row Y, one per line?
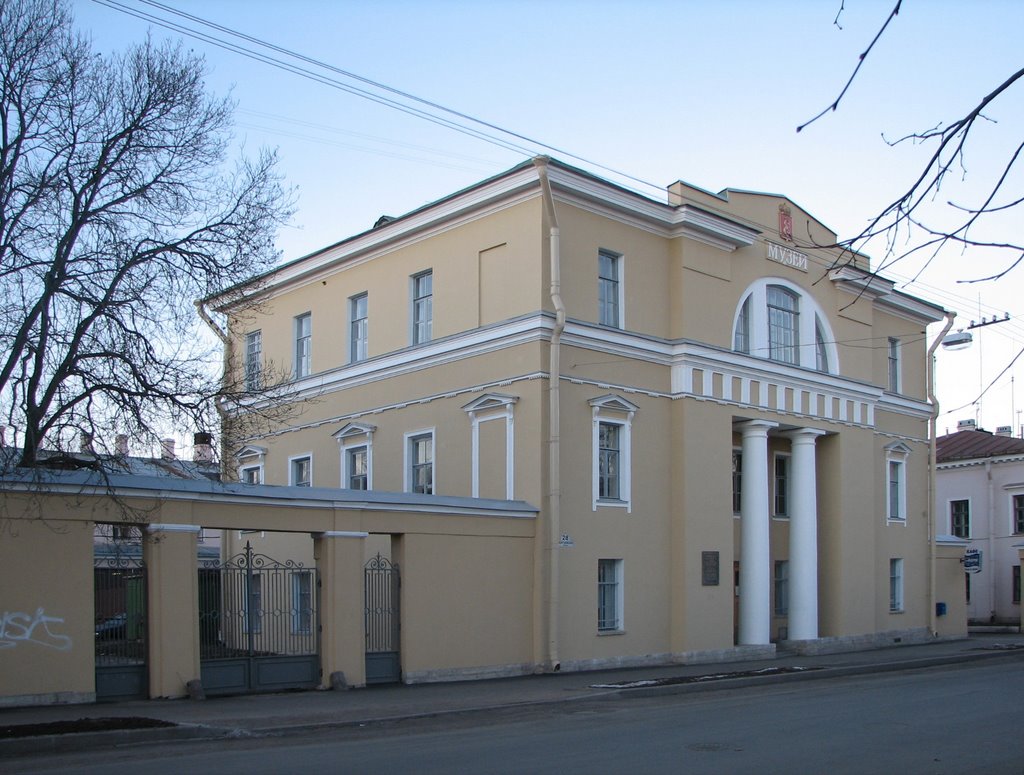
column 339, row 561
column 173, row 607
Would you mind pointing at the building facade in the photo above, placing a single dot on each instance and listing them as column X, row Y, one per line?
column 722, row 425
column 980, row 499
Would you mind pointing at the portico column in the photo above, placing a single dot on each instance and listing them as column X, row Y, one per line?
column 803, row 536
column 755, row 575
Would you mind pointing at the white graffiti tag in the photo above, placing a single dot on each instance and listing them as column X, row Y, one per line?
column 17, row 627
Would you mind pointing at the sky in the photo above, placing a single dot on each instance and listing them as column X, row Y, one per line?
column 660, row 90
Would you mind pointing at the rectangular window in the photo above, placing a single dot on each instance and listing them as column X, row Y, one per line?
column 358, row 327
column 896, row 489
column 609, row 595
column 422, row 307
column 896, row 584
column 741, row 339
column 781, row 587
column 609, row 266
column 303, row 345
column 608, row 469
column 357, row 468
column 783, row 325
column 421, row 464
column 1015, row 581
column 960, row 518
column 781, row 485
column 302, row 602
column 894, row 365
column 301, row 472
column 737, row 481
column 1018, row 514
column 252, row 475
column 254, row 360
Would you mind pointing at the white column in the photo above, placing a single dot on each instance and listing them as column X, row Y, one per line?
column 755, row 571
column 803, row 536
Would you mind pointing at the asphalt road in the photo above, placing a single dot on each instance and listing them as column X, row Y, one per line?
column 953, row 719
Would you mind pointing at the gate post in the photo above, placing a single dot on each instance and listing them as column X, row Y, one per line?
column 170, row 555
column 339, row 560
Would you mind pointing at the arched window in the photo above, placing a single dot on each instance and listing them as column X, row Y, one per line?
column 777, row 320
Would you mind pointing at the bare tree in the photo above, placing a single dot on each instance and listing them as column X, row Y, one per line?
column 117, row 210
column 920, row 220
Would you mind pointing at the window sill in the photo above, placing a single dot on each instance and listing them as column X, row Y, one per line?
column 898, row 612
column 603, row 633
column 614, row 504
column 895, row 521
column 781, row 517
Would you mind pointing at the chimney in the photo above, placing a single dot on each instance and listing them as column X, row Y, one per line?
column 966, row 425
column 167, row 449
column 202, row 447
column 85, row 443
column 1004, row 430
column 121, row 445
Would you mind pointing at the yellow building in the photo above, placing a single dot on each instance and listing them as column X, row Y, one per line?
column 723, row 426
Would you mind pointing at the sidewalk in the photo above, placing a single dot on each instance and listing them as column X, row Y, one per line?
column 302, row 711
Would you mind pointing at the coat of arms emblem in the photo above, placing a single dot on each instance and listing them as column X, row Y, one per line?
column 785, row 222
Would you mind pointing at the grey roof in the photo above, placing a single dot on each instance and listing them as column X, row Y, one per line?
column 975, row 444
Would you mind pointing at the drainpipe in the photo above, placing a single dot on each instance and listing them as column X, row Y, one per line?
column 932, row 418
column 554, row 379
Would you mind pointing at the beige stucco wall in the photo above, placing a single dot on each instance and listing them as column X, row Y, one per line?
column 46, row 604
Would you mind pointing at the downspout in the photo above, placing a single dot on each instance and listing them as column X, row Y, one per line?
column 554, row 497
column 932, row 419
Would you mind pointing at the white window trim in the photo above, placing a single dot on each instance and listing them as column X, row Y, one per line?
column 253, row 368
column 407, row 459
column 809, row 313
column 245, row 457
column 610, row 409
column 291, row 468
column 620, row 597
column 620, row 271
column 970, row 516
column 355, row 435
column 789, row 484
column 898, row 367
column 493, row 406
column 896, row 453
column 1011, row 525
column 352, row 301
column 412, row 306
column 258, row 468
column 298, row 373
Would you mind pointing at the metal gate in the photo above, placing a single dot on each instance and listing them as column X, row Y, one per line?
column 259, row 625
column 119, row 589
column 382, row 621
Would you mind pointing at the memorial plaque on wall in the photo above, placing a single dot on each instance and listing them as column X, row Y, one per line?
column 709, row 569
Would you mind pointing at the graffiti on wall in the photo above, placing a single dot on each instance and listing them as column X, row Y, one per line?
column 17, row 627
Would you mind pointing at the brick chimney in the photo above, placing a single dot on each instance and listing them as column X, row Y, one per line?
column 202, row 447
column 121, row 445
column 1004, row 430
column 167, row 449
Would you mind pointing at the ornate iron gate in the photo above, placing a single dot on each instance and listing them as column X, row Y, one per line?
column 259, row 625
column 382, row 585
column 119, row 590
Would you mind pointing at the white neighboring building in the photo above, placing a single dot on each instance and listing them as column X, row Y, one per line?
column 980, row 498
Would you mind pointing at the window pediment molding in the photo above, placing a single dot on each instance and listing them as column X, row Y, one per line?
column 352, row 430
column 613, row 403
column 249, row 451
column 490, row 401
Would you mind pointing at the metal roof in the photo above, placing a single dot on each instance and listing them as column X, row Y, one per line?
column 974, row 444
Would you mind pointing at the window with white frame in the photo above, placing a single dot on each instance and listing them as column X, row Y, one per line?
column 778, row 320
column 300, row 471
column 896, row 584
column 612, row 419
column 781, row 587
column 609, row 289
column 302, row 602
column 251, row 474
column 355, row 442
column 357, row 468
column 1018, row 514
column 303, row 345
column 781, row 500
column 492, row 408
column 737, row 481
column 896, row 482
column 741, row 336
column 422, row 307
column 419, row 468
column 358, row 340
column 250, row 460
column 609, row 595
column 783, row 325
column 893, row 361
column 254, row 360
column 960, row 518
